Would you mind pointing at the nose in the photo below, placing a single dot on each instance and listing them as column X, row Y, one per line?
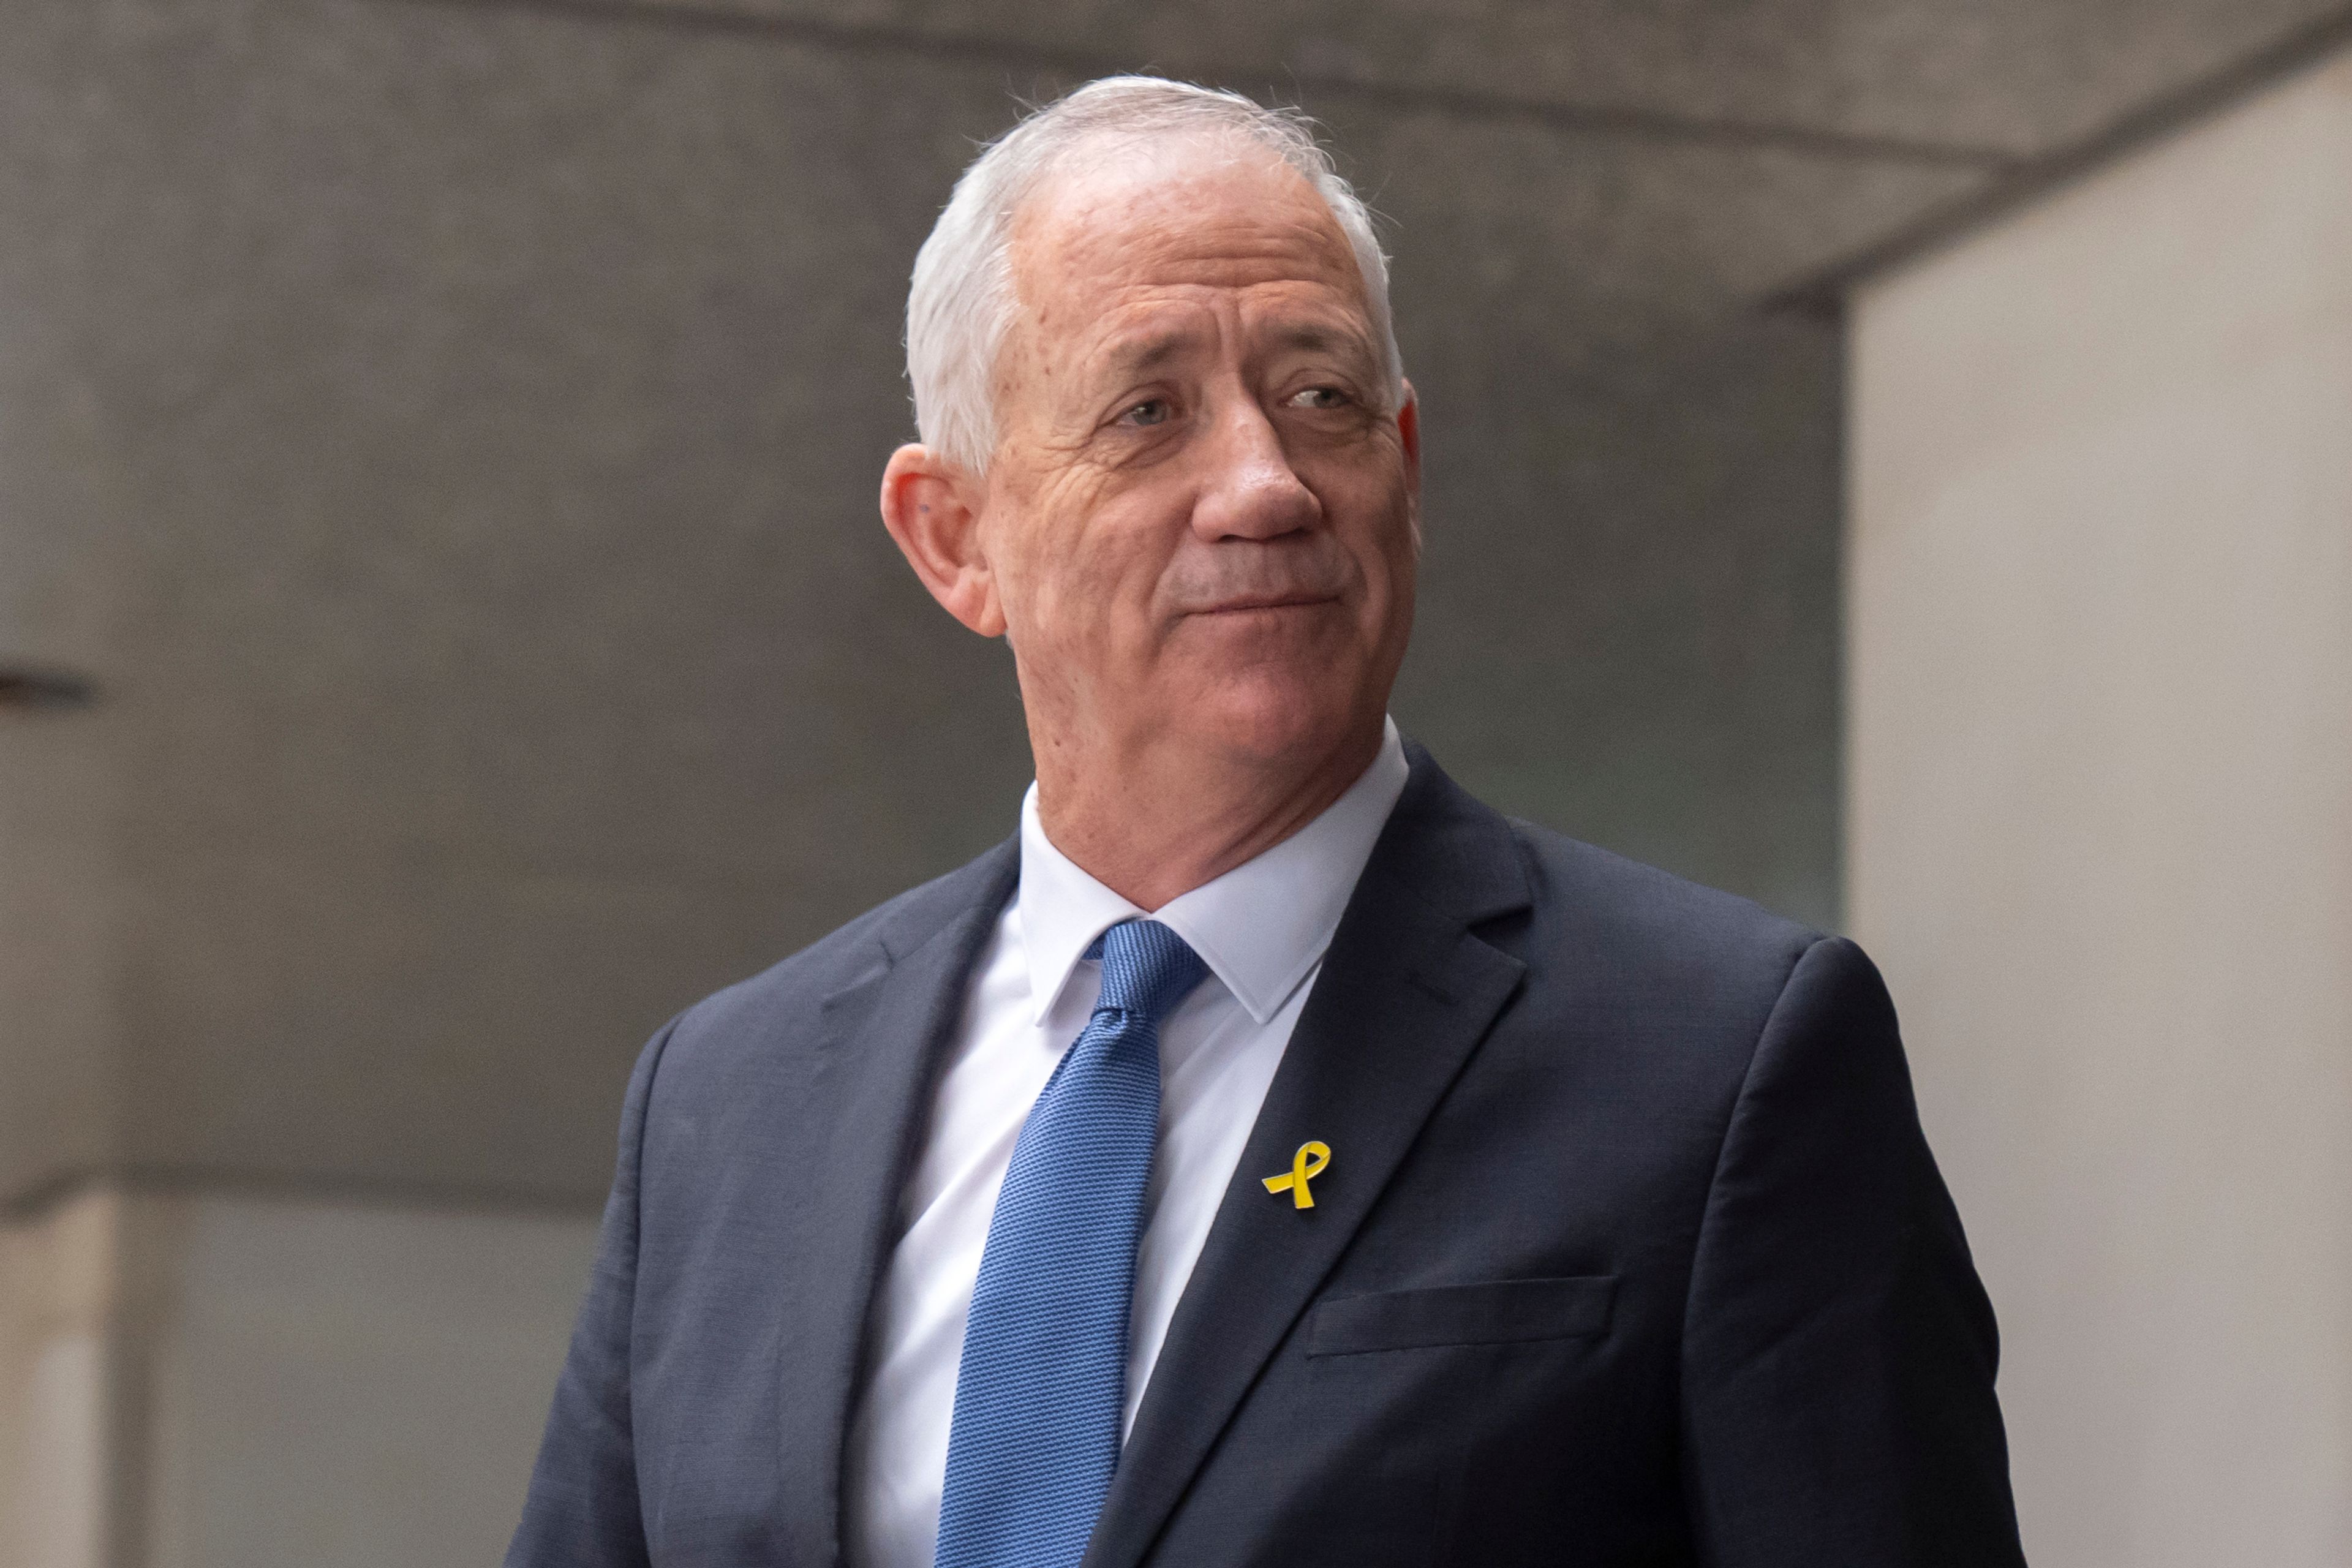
column 1251, row 492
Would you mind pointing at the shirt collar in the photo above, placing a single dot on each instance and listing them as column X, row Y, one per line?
column 1261, row 928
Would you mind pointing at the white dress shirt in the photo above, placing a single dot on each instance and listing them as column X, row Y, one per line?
column 1262, row 929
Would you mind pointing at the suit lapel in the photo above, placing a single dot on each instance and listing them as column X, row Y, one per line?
column 1405, row 994
column 869, row 1087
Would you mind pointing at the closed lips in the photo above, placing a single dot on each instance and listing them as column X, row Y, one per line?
column 1237, row 606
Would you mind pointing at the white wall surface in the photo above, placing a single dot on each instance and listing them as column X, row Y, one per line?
column 260, row 1383
column 2100, row 815
column 59, row 1298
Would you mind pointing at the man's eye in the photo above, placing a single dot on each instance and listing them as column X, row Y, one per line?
column 1150, row 411
column 1320, row 398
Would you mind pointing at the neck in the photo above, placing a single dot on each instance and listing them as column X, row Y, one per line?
column 1159, row 821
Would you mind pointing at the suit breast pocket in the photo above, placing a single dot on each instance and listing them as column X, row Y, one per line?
column 1501, row 1312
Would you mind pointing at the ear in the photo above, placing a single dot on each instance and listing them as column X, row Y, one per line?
column 932, row 508
column 1409, row 432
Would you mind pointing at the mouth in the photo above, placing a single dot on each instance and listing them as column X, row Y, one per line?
column 1260, row 603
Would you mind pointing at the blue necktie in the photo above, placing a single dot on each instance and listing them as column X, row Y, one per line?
column 1043, row 1381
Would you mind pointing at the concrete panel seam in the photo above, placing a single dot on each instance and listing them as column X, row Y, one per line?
column 1078, row 64
column 1822, row 293
column 56, row 1192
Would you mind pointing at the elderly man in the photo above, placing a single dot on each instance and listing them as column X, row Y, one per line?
column 1269, row 1154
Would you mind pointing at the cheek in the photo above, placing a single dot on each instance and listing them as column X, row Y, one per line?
column 1076, row 571
column 1373, row 517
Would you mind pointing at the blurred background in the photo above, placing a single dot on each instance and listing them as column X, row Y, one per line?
column 1892, row 458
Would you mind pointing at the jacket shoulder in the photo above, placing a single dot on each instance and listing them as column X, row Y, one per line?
column 1607, row 881
column 1641, row 931
column 1576, row 905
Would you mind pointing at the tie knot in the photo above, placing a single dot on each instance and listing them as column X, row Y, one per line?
column 1146, row 968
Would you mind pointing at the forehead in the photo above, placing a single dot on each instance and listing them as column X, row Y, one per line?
column 1189, row 219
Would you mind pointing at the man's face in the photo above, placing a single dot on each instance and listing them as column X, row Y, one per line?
column 1199, row 518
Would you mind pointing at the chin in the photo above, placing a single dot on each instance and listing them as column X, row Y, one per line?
column 1266, row 716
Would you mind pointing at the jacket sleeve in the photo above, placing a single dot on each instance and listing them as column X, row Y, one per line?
column 1837, row 1350
column 582, row 1510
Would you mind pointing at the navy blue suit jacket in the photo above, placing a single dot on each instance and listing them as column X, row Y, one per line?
column 1630, row 1251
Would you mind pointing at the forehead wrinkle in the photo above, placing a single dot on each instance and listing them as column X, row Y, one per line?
column 1266, row 325
column 1134, row 353
column 1222, row 251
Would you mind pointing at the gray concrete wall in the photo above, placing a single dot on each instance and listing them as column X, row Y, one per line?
column 2101, row 816
column 448, row 434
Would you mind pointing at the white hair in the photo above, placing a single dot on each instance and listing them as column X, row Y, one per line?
column 962, row 300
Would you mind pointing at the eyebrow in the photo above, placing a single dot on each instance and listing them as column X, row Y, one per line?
column 1317, row 336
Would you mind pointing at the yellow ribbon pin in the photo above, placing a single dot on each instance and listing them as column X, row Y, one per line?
column 1305, row 1166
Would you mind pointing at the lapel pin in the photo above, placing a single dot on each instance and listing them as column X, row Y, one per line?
column 1312, row 1159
